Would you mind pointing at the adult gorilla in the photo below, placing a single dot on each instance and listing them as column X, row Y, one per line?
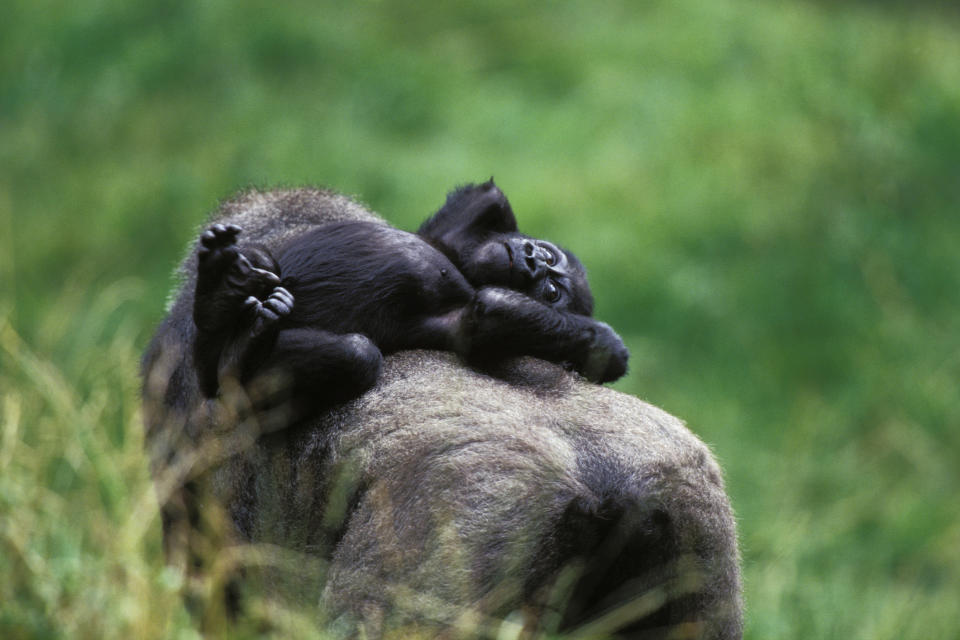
column 446, row 494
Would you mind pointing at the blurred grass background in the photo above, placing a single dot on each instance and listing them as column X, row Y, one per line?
column 765, row 194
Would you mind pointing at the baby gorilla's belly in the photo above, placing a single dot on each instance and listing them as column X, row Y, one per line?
column 369, row 278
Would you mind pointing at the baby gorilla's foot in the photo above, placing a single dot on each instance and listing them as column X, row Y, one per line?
column 218, row 249
column 226, row 278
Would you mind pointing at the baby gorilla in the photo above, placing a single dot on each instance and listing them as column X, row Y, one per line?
column 319, row 312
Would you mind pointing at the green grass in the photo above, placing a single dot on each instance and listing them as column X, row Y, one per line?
column 765, row 193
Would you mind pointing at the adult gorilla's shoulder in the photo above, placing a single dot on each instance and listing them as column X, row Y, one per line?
column 445, row 490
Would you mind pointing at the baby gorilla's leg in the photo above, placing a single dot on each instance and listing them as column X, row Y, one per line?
column 309, row 370
column 237, row 305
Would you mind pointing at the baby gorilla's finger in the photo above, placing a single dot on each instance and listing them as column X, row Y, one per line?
column 266, row 317
column 284, row 295
column 278, row 305
column 251, row 305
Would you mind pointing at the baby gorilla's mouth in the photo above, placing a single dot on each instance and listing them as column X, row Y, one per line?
column 516, row 277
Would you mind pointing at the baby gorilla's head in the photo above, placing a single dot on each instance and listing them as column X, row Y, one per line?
column 476, row 229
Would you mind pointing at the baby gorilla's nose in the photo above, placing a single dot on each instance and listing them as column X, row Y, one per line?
column 534, row 258
column 529, row 258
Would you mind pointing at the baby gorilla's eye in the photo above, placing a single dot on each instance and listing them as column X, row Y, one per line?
column 551, row 259
column 551, row 292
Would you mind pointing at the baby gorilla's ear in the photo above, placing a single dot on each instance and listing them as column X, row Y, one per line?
column 494, row 213
column 470, row 213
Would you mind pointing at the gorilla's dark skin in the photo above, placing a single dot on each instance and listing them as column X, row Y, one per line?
column 321, row 310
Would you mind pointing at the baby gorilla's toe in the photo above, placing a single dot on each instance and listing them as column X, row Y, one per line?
column 218, row 241
column 248, row 280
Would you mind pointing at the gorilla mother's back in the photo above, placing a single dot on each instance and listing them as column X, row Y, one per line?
column 457, row 491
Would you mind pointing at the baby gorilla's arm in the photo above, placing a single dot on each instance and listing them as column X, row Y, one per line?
column 507, row 322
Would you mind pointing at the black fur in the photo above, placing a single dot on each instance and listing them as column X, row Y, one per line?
column 319, row 311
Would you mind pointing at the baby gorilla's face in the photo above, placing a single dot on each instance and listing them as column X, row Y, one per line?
column 537, row 268
column 490, row 264
column 477, row 231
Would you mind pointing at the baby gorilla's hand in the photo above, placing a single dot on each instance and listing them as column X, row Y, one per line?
column 607, row 360
column 266, row 314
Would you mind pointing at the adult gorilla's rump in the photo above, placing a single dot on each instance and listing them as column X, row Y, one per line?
column 465, row 492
